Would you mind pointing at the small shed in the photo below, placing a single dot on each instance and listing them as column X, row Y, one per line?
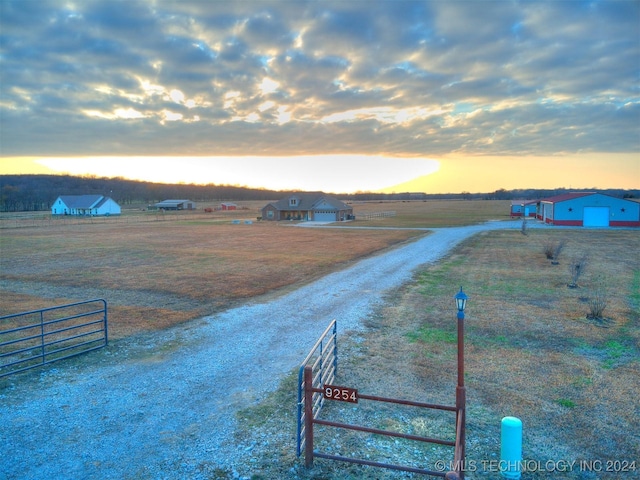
column 589, row 209
column 228, row 206
column 523, row 208
column 175, row 205
column 85, row 205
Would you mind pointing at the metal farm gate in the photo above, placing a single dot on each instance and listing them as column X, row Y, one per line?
column 38, row 337
column 316, row 376
column 323, row 360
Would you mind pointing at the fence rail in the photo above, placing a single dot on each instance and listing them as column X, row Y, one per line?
column 38, row 337
column 375, row 215
column 312, row 420
column 322, row 360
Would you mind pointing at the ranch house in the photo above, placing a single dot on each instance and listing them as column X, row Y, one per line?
column 588, row 209
column 314, row 207
column 85, row 205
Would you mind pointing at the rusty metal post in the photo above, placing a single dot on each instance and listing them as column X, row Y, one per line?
column 461, row 394
column 308, row 416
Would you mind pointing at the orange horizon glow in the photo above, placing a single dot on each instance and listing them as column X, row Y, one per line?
column 353, row 173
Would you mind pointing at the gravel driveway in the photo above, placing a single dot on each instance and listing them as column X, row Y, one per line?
column 158, row 408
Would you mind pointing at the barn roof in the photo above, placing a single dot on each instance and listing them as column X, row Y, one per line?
column 566, row 196
column 171, row 203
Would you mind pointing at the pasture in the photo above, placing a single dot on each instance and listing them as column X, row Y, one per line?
column 158, row 269
column 160, row 274
column 531, row 352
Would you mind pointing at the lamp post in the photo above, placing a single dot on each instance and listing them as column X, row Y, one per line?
column 461, row 302
column 461, row 395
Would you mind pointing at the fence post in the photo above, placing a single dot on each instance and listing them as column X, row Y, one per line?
column 308, row 416
column 42, row 346
column 335, row 348
column 106, row 323
column 461, row 400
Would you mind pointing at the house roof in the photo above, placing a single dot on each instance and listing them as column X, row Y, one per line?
column 307, row 201
column 83, row 201
column 566, row 196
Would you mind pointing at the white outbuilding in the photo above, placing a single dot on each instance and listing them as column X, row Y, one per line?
column 85, row 205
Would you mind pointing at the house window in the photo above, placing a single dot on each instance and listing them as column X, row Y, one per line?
column 293, row 202
column 270, row 214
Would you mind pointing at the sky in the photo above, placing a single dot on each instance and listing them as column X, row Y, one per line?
column 348, row 96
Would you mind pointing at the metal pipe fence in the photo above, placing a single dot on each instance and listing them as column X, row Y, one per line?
column 323, row 362
column 375, row 215
column 38, row 337
column 310, row 420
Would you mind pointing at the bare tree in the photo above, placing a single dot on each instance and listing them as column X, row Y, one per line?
column 523, row 227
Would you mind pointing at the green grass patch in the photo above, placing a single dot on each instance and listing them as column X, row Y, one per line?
column 430, row 334
column 615, row 352
column 565, row 402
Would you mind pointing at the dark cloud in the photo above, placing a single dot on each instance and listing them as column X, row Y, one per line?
column 269, row 77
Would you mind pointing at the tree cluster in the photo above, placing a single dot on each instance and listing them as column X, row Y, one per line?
column 38, row 192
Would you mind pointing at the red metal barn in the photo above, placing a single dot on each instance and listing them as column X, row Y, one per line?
column 587, row 209
column 228, row 206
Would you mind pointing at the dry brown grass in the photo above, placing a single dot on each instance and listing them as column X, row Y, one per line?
column 433, row 213
column 157, row 274
column 530, row 352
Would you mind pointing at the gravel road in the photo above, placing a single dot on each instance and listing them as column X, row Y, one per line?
column 161, row 407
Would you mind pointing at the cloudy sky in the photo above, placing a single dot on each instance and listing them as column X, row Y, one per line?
column 434, row 96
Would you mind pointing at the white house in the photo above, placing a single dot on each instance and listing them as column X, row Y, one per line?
column 85, row 205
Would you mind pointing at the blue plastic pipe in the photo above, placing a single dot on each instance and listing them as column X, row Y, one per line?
column 511, row 448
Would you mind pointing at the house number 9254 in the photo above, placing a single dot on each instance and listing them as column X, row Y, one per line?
column 343, row 394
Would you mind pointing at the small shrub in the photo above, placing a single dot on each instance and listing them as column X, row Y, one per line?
column 557, row 251
column 553, row 250
column 598, row 301
column 577, row 267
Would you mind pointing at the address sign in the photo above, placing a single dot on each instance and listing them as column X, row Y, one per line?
column 343, row 394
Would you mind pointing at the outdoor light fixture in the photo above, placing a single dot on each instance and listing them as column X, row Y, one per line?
column 461, row 302
column 461, row 393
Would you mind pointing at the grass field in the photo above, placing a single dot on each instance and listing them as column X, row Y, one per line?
column 531, row 352
column 158, row 269
column 158, row 274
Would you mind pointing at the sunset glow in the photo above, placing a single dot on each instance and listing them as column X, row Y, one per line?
column 333, row 96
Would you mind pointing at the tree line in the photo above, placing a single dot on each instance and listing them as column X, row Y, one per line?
column 38, row 192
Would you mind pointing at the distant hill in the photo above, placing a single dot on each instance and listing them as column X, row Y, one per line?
column 38, row 192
